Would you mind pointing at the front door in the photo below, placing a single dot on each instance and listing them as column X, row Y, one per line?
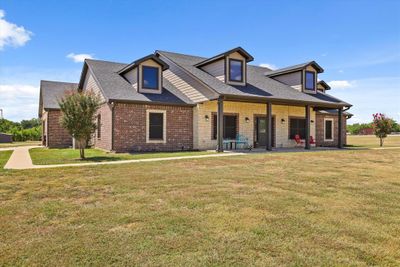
column 261, row 128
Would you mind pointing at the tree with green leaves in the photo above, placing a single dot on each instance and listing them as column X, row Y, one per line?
column 382, row 126
column 78, row 116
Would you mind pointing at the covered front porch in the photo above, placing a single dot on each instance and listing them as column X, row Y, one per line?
column 226, row 124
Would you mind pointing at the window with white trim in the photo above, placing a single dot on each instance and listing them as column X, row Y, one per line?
column 156, row 123
column 328, row 129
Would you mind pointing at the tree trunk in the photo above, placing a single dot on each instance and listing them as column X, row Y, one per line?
column 381, row 141
column 82, row 145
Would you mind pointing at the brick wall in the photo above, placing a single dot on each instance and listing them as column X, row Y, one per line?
column 130, row 128
column 57, row 136
column 104, row 142
column 320, row 126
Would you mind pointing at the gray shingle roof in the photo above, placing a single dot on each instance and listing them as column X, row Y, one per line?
column 115, row 87
column 258, row 85
column 51, row 91
column 333, row 112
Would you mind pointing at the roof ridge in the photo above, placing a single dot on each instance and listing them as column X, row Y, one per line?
column 163, row 51
column 106, row 61
column 48, row 81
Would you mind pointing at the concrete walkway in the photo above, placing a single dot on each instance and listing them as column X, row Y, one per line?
column 21, row 160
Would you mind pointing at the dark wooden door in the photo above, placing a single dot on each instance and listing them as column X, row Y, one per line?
column 261, row 128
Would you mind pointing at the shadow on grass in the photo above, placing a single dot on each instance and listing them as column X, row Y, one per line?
column 100, row 159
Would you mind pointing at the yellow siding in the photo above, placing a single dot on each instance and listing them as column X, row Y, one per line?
column 202, row 128
column 184, row 87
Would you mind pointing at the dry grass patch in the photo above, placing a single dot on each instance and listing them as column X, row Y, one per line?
column 372, row 141
column 306, row 209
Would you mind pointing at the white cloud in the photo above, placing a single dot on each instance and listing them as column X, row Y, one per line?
column 11, row 34
column 18, row 90
column 340, row 84
column 19, row 101
column 79, row 57
column 371, row 95
column 269, row 66
column 341, row 71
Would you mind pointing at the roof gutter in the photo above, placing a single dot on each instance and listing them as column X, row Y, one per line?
column 149, row 103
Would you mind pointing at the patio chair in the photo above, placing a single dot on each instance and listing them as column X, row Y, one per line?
column 243, row 141
column 312, row 141
column 298, row 140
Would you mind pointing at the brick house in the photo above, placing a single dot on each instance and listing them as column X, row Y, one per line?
column 168, row 101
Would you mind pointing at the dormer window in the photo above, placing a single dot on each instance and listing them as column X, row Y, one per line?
column 235, row 70
column 229, row 67
column 150, row 77
column 145, row 74
column 310, row 80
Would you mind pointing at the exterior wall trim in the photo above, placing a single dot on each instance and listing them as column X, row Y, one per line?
column 164, row 112
column 332, row 131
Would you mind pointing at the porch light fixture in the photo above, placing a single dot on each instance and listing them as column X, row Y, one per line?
column 247, row 119
column 283, row 121
column 206, row 117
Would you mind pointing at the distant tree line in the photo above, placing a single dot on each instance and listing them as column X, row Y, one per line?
column 26, row 130
column 356, row 128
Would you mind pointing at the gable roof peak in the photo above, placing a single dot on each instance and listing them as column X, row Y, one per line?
column 238, row 49
column 324, row 84
column 295, row 68
column 135, row 63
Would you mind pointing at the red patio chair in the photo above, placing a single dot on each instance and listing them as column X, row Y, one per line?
column 312, row 141
column 298, row 140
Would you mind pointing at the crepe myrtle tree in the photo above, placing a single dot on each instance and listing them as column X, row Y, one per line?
column 78, row 116
column 382, row 126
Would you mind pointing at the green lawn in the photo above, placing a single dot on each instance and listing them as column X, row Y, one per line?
column 45, row 156
column 329, row 208
column 372, row 141
column 4, row 156
column 15, row 144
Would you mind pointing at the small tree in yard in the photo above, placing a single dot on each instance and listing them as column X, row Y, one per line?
column 382, row 126
column 78, row 116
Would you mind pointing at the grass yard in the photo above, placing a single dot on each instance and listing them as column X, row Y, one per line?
column 15, row 144
column 372, row 141
column 45, row 156
column 295, row 209
column 4, row 156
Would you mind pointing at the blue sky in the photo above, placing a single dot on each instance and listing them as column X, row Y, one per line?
column 356, row 42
